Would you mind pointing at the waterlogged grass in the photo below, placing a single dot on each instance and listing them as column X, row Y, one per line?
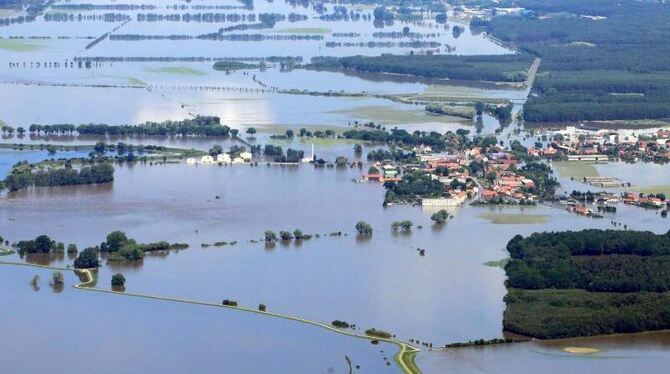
column 136, row 82
column 304, row 30
column 497, row 264
column 514, row 219
column 132, row 81
column 19, row 45
column 390, row 115
column 660, row 188
column 178, row 70
column 577, row 170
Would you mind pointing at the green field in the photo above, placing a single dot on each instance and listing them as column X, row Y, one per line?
column 136, row 82
column 577, row 170
column 178, row 70
column 514, row 219
column 660, row 188
column 390, row 115
column 19, row 45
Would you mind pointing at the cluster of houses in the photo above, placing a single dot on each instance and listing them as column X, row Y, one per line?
column 505, row 184
column 646, row 201
column 608, row 199
column 583, row 143
column 499, row 180
column 384, row 172
column 221, row 159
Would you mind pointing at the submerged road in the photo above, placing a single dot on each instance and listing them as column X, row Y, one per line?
column 404, row 358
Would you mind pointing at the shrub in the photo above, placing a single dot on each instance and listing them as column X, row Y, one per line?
column 118, row 280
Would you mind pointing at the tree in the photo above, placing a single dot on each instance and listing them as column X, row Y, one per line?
column 479, row 108
column 440, row 217
column 358, row 149
column 491, row 176
column 215, row 150
column 405, row 225
column 363, row 228
column 41, row 244
column 341, row 161
column 270, row 236
column 115, row 240
column 72, row 249
column 118, row 280
column 100, row 147
column 262, row 307
column 87, row 259
column 285, row 236
column 289, row 133
column 298, row 234
column 251, row 131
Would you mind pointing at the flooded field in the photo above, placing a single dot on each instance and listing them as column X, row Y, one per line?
column 437, row 284
column 178, row 203
column 105, row 334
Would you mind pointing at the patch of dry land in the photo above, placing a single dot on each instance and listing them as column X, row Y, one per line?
column 514, row 219
column 19, row 45
column 581, row 350
column 390, row 115
column 577, row 170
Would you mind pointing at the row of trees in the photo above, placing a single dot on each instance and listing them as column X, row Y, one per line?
column 199, row 126
column 25, row 175
column 498, row 68
column 121, row 248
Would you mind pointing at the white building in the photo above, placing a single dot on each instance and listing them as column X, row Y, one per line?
column 191, row 161
column 246, row 156
column 223, row 158
column 207, row 159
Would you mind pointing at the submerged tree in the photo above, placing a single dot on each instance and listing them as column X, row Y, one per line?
column 363, row 228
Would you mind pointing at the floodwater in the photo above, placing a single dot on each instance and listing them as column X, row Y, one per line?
column 371, row 282
column 110, row 334
column 646, row 352
column 9, row 157
column 449, row 295
column 164, row 90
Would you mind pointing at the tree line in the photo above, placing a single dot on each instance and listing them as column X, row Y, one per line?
column 24, row 175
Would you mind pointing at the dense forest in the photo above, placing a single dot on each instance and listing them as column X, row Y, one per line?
column 500, row 68
column 588, row 282
column 601, row 60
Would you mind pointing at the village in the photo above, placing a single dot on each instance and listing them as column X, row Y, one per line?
column 584, row 143
column 494, row 175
